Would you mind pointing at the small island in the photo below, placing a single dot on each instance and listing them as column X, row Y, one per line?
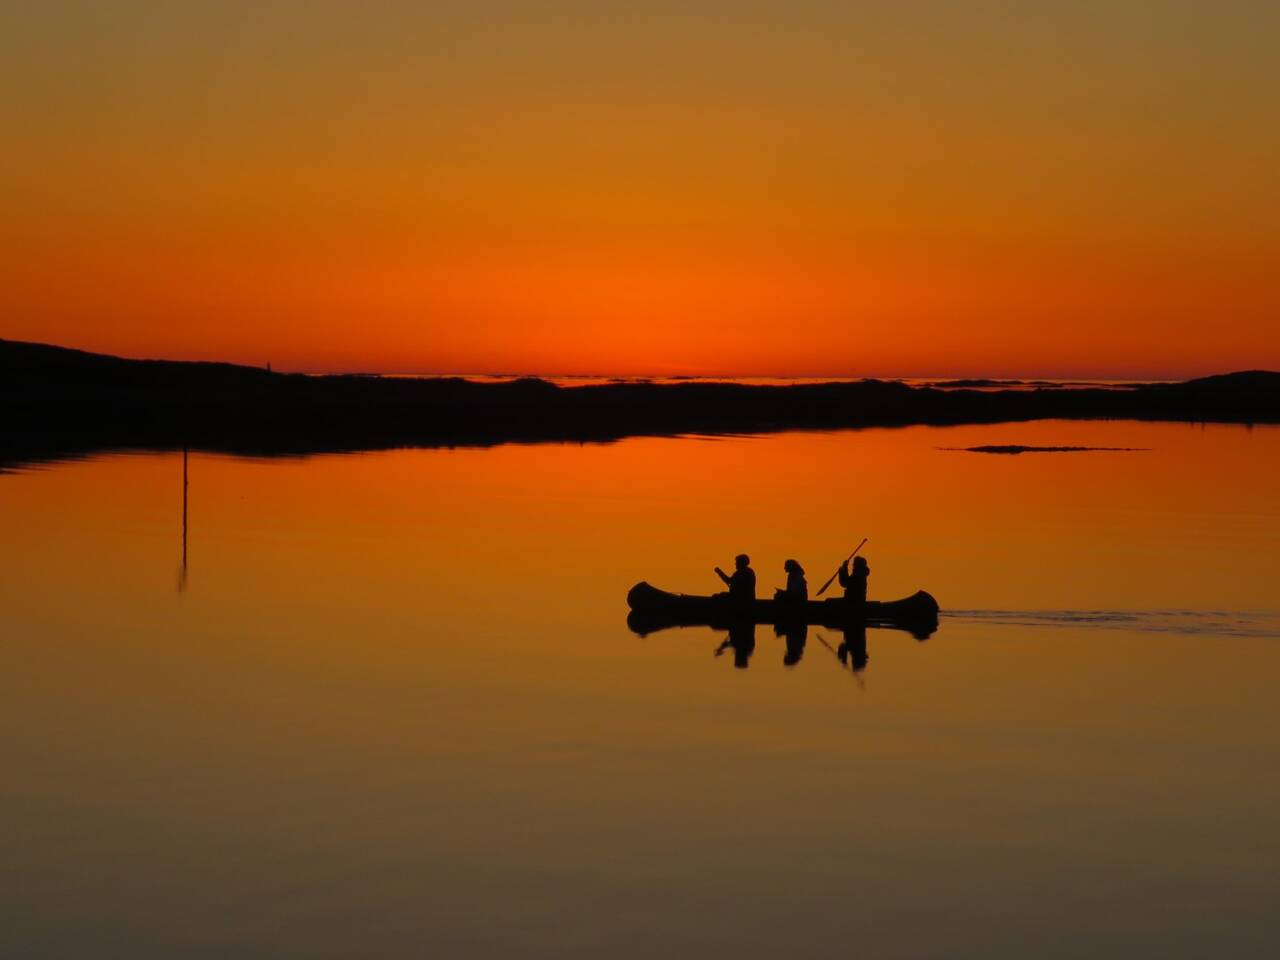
column 1012, row 449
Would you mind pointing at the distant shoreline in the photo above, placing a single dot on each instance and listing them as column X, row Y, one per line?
column 62, row 403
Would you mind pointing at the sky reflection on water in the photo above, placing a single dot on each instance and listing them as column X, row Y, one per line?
column 397, row 709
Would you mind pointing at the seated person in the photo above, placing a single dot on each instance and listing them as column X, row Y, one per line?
column 742, row 584
column 797, row 589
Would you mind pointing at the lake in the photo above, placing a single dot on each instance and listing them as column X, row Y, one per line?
column 391, row 706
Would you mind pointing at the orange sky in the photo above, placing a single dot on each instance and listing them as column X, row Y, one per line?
column 807, row 188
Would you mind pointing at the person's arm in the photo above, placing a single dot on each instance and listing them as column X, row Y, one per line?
column 843, row 574
column 725, row 577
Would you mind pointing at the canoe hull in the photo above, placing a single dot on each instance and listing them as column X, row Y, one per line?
column 653, row 609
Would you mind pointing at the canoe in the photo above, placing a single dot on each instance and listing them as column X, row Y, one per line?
column 653, row 609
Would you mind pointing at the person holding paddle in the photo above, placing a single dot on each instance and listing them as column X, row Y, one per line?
column 855, row 581
column 843, row 572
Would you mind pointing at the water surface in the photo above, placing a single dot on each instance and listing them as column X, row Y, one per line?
column 392, row 707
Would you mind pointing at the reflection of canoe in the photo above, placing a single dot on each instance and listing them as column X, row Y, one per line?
column 653, row 609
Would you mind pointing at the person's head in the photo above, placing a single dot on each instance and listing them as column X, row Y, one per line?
column 741, row 561
column 792, row 567
column 860, row 564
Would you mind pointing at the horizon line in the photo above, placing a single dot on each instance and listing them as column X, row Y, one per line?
column 652, row 375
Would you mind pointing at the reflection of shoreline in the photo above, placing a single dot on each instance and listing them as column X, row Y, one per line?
column 1261, row 624
column 65, row 403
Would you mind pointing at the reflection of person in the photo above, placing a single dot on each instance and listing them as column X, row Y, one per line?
column 742, row 583
column 853, row 651
column 797, row 589
column 796, row 635
column 855, row 581
column 742, row 638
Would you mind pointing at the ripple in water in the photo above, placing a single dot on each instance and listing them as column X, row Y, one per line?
column 1230, row 623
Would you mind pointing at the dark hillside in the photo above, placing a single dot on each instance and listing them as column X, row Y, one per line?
column 60, row 402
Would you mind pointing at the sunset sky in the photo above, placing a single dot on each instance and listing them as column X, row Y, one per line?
column 845, row 188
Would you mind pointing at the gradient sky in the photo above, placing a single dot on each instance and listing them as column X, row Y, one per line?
column 821, row 188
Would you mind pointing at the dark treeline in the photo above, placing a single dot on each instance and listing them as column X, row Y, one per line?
column 63, row 403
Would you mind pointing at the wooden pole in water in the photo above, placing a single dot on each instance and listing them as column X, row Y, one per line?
column 182, row 571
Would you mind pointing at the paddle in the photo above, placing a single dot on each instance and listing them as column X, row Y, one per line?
column 846, row 560
column 834, row 653
column 862, row 684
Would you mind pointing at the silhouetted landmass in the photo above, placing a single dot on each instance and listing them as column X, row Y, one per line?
column 1013, row 448
column 61, row 403
column 986, row 383
column 975, row 382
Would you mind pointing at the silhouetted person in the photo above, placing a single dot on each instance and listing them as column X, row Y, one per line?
column 797, row 589
column 742, row 638
column 854, row 649
column 855, row 581
column 796, row 636
column 742, row 584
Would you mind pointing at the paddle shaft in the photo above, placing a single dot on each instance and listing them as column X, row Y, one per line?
column 823, row 640
column 846, row 560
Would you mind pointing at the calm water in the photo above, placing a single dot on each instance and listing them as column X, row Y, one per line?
column 396, row 710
